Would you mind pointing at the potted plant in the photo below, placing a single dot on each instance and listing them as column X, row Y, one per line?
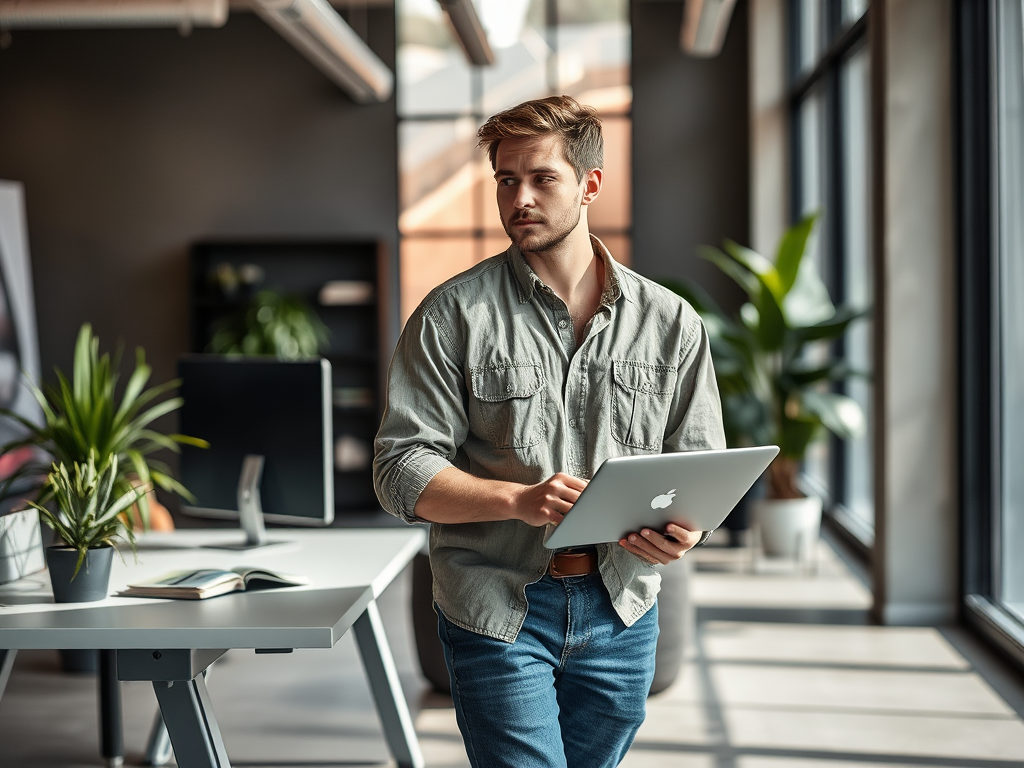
column 775, row 369
column 271, row 324
column 89, row 516
column 84, row 416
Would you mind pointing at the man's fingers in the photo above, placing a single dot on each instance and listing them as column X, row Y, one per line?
column 577, row 484
column 642, row 549
column 671, row 545
column 661, row 548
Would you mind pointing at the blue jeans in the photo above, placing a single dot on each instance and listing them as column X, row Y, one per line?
column 570, row 692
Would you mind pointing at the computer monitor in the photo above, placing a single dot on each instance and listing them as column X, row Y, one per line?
column 268, row 423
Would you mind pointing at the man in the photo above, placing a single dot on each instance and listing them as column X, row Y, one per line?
column 511, row 384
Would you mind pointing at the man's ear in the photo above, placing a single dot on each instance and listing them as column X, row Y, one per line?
column 592, row 185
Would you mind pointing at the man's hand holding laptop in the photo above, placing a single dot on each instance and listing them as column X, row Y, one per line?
column 664, row 547
column 550, row 500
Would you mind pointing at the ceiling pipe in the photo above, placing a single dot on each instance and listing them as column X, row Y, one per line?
column 705, row 23
column 323, row 37
column 465, row 24
column 183, row 14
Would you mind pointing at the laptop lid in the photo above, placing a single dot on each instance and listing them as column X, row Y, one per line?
column 697, row 489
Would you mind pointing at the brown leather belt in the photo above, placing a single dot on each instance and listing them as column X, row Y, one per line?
column 579, row 562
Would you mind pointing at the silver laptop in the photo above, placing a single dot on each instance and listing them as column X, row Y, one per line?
column 697, row 489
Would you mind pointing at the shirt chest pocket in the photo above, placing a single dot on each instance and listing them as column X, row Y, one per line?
column 509, row 398
column 641, row 399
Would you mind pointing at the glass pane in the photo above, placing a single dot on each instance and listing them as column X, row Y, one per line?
column 1010, row 165
column 593, row 47
column 855, row 81
column 813, row 173
column 517, row 33
column 812, row 169
column 487, row 198
column 811, row 27
column 439, row 173
column 426, row 262
column 853, row 10
column 433, row 74
column 613, row 207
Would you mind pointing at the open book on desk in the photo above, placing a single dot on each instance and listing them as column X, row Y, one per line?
column 210, row 582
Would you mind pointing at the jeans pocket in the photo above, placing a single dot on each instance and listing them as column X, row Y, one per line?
column 641, row 398
column 510, row 401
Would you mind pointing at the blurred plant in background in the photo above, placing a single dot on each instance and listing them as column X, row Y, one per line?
column 773, row 361
column 271, row 324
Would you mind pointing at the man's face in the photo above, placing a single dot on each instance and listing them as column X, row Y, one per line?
column 539, row 198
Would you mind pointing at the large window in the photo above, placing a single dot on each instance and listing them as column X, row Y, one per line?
column 831, row 151
column 1010, row 245
column 991, row 112
column 449, row 218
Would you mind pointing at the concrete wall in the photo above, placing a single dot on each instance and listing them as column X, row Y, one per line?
column 690, row 147
column 133, row 144
column 915, row 564
column 769, row 125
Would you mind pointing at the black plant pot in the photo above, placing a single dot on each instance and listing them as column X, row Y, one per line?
column 93, row 577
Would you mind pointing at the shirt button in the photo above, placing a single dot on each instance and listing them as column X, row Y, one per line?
column 508, row 387
column 572, row 422
column 563, row 323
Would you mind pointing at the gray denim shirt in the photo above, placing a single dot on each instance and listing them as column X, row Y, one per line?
column 487, row 377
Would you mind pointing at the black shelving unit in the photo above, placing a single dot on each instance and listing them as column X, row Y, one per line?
column 354, row 319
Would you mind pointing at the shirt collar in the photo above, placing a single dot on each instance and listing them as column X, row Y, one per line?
column 528, row 282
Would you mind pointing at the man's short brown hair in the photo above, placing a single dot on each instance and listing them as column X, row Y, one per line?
column 578, row 125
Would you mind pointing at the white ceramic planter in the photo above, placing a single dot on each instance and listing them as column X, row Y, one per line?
column 788, row 527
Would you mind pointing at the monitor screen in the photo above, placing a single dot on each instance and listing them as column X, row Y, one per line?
column 277, row 409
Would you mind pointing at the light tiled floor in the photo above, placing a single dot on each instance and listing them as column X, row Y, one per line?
column 784, row 671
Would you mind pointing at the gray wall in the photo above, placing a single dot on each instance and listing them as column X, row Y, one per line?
column 691, row 164
column 132, row 144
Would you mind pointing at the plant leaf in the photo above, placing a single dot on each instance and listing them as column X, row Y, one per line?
column 797, row 434
column 832, row 328
column 841, row 415
column 791, row 251
column 808, row 302
column 743, row 278
column 759, row 266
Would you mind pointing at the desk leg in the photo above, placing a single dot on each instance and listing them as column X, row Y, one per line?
column 158, row 749
column 191, row 725
column 111, row 728
column 178, row 680
column 6, row 665
column 387, row 691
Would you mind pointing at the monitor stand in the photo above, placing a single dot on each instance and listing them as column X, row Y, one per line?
column 250, row 508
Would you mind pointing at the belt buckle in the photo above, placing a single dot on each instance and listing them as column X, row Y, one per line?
column 571, row 558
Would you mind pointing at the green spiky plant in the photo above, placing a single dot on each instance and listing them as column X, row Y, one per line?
column 89, row 512
column 271, row 324
column 772, row 361
column 83, row 416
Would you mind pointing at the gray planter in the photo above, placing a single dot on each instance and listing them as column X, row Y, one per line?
column 93, row 577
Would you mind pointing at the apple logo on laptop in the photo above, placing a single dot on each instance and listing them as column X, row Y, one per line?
column 662, row 501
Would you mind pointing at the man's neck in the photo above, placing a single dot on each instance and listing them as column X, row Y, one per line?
column 575, row 273
column 571, row 269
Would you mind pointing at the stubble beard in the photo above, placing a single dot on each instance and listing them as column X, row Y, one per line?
column 540, row 242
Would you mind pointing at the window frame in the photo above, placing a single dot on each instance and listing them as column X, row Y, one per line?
column 977, row 221
column 485, row 227
column 825, row 74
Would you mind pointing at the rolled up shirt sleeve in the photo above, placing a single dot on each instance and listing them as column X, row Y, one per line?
column 424, row 419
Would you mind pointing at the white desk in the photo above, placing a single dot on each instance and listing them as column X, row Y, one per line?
column 173, row 642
